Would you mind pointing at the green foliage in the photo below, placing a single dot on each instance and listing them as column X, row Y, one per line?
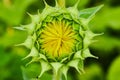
column 4, row 61
column 92, row 72
column 114, row 70
column 106, row 21
column 11, row 37
column 109, row 24
column 12, row 11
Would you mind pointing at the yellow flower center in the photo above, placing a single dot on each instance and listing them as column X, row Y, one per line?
column 58, row 39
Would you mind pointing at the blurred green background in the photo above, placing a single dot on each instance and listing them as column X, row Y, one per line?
column 14, row 13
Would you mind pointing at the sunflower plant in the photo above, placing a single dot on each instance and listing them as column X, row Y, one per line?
column 59, row 38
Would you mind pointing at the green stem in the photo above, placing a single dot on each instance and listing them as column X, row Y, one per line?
column 61, row 3
column 56, row 76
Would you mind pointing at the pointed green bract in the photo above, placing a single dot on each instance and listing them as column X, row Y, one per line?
column 90, row 12
column 33, row 53
column 74, row 63
column 86, row 53
column 59, row 38
column 44, row 67
column 56, row 66
column 78, row 55
column 19, row 28
column 64, row 70
column 28, row 43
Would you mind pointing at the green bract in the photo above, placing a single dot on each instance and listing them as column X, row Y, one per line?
column 59, row 38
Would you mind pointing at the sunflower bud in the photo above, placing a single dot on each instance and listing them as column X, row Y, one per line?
column 59, row 38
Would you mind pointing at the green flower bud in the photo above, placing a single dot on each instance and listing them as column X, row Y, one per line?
column 59, row 37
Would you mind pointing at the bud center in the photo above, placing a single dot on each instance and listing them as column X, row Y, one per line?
column 58, row 39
